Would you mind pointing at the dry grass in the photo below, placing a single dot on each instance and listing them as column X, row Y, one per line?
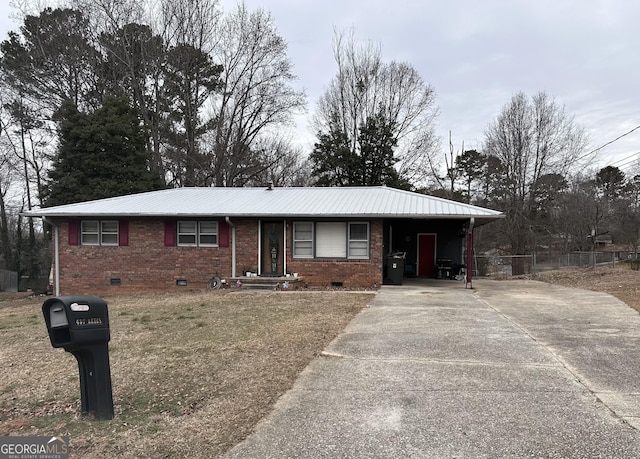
column 619, row 281
column 192, row 373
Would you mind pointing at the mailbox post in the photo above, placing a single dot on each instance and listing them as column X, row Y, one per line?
column 80, row 325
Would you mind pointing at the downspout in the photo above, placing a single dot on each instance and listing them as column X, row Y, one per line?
column 259, row 267
column 233, row 246
column 56, row 257
column 469, row 261
column 284, row 248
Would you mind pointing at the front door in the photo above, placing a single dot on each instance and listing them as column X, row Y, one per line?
column 272, row 249
column 426, row 255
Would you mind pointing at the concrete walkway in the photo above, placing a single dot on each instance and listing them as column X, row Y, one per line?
column 509, row 369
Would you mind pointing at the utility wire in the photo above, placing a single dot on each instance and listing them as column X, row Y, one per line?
column 624, row 160
column 629, row 163
column 614, row 140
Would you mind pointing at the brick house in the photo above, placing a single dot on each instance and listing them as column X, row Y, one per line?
column 176, row 238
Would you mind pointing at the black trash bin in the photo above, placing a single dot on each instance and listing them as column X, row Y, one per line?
column 394, row 269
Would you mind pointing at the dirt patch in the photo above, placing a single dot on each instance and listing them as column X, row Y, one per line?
column 619, row 281
column 192, row 373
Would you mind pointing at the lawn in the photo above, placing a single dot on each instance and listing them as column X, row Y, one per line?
column 192, row 373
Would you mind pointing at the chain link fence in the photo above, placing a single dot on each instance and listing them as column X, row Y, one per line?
column 514, row 265
column 506, row 265
column 544, row 262
column 8, row 281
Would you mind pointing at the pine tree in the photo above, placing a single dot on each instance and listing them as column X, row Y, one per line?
column 101, row 154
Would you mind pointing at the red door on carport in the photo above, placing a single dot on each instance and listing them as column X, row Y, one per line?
column 426, row 255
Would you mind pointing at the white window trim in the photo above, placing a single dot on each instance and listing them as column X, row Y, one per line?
column 102, row 232
column 197, row 234
column 345, row 237
column 182, row 233
column 367, row 240
column 200, row 234
column 99, row 233
column 84, row 232
column 295, row 241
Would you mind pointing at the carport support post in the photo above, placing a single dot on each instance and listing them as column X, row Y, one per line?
column 469, row 261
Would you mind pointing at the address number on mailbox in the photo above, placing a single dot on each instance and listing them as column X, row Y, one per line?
column 89, row 321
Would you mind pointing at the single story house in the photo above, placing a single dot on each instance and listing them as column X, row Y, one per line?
column 166, row 240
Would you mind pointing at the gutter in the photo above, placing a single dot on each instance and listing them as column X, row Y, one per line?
column 480, row 218
column 233, row 245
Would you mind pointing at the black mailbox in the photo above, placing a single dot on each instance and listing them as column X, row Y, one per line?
column 80, row 325
column 76, row 320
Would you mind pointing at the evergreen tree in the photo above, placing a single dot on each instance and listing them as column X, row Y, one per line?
column 377, row 142
column 52, row 59
column 368, row 162
column 101, row 154
column 471, row 166
column 334, row 163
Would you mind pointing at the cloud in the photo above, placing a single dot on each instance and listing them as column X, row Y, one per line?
column 477, row 54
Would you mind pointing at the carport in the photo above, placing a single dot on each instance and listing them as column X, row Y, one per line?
column 434, row 247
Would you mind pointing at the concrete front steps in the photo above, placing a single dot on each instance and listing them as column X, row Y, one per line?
column 267, row 283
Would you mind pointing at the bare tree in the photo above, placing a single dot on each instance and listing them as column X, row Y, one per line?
column 581, row 212
column 191, row 22
column 158, row 54
column 532, row 138
column 453, row 172
column 166, row 56
column 51, row 59
column 7, row 171
column 22, row 163
column 364, row 87
column 283, row 164
column 256, row 93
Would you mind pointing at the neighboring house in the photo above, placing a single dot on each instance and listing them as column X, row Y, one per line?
column 166, row 240
column 603, row 241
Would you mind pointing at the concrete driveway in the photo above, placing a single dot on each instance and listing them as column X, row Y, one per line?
column 508, row 369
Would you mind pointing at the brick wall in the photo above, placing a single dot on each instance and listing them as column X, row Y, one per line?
column 146, row 264
column 350, row 273
column 246, row 246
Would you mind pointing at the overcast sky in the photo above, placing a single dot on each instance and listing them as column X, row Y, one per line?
column 477, row 54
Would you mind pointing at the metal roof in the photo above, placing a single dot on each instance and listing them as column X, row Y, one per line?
column 345, row 202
